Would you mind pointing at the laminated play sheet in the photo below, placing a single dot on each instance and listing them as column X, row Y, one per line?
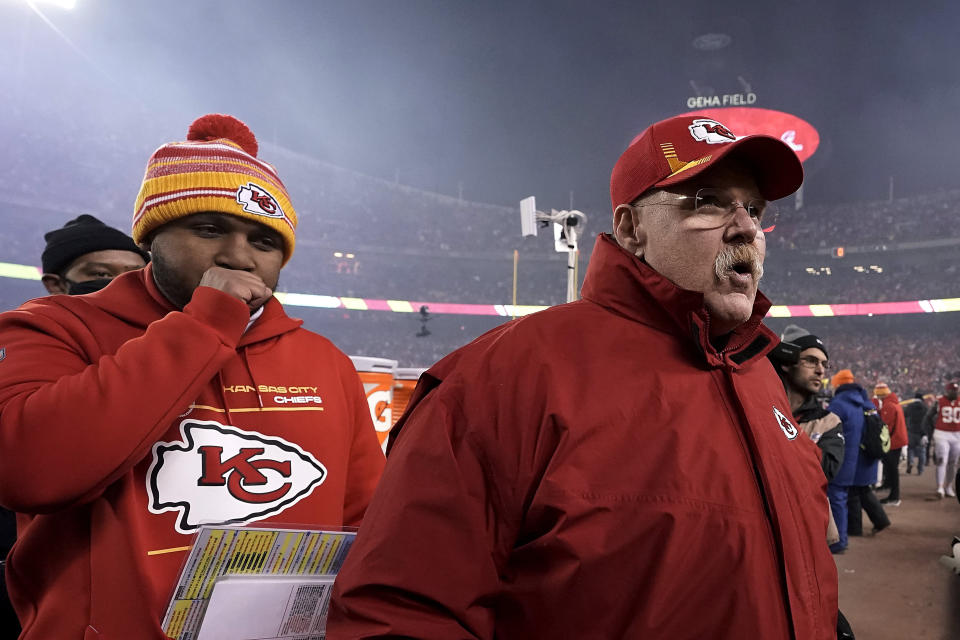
column 287, row 608
column 227, row 551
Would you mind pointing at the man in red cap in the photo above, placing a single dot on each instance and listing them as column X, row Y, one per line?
column 946, row 438
column 623, row 466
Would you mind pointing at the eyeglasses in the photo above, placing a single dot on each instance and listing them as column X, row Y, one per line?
column 717, row 207
column 812, row 362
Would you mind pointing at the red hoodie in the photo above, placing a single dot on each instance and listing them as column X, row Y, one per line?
column 597, row 470
column 124, row 424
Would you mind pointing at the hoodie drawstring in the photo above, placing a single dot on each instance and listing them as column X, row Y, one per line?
column 256, row 387
column 223, row 396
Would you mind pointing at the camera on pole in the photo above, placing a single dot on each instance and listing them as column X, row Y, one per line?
column 567, row 227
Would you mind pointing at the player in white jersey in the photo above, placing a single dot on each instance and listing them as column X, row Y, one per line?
column 946, row 438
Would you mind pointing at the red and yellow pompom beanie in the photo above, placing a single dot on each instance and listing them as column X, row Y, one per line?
column 216, row 169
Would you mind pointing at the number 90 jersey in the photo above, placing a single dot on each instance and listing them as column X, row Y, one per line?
column 948, row 414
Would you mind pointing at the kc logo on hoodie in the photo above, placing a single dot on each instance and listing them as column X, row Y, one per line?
column 219, row 474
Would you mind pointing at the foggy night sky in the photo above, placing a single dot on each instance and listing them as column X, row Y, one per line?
column 511, row 98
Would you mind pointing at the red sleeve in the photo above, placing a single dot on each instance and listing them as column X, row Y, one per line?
column 366, row 456
column 900, row 426
column 69, row 428
column 426, row 562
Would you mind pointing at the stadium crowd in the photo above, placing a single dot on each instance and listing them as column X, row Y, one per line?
column 909, row 361
column 406, row 243
column 911, row 353
column 909, row 219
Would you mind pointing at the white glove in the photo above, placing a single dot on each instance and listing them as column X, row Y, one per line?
column 953, row 562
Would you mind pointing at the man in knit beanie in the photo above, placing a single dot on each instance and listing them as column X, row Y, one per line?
column 211, row 186
column 850, row 491
column 81, row 257
column 181, row 395
column 84, row 255
column 801, row 361
column 888, row 404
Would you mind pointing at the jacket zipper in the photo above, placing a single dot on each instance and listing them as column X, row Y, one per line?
column 781, row 562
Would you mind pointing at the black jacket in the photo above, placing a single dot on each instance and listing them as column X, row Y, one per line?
column 914, row 411
column 826, row 430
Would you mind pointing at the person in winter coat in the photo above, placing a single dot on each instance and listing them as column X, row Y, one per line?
column 888, row 404
column 81, row 257
column 850, row 490
column 801, row 361
column 85, row 255
column 623, row 466
column 179, row 395
column 914, row 411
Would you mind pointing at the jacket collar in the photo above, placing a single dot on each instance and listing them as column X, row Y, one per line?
column 853, row 391
column 626, row 285
column 811, row 409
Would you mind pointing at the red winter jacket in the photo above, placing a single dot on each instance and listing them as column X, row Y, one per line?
column 892, row 415
column 125, row 423
column 598, row 470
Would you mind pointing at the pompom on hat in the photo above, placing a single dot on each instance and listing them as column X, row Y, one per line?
column 215, row 169
column 844, row 376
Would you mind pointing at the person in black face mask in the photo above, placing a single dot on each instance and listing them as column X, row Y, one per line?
column 85, row 255
column 81, row 257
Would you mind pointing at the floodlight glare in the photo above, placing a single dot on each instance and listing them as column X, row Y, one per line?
column 63, row 4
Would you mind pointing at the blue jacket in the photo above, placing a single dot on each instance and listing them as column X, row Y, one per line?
column 849, row 402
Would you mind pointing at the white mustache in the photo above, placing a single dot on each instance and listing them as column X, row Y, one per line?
column 733, row 254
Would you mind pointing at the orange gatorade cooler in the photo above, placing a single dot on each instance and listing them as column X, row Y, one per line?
column 376, row 374
column 405, row 380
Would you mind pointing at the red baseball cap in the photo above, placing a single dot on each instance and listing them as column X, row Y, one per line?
column 679, row 148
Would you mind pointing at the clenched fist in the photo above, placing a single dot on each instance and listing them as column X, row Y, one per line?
column 242, row 285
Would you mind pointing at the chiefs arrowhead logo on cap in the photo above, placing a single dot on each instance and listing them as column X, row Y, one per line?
column 258, row 201
column 220, row 474
column 711, row 132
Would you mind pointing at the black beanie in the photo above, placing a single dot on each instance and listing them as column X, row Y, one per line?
column 803, row 339
column 82, row 235
column 810, row 341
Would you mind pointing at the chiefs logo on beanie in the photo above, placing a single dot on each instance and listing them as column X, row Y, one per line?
column 215, row 169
